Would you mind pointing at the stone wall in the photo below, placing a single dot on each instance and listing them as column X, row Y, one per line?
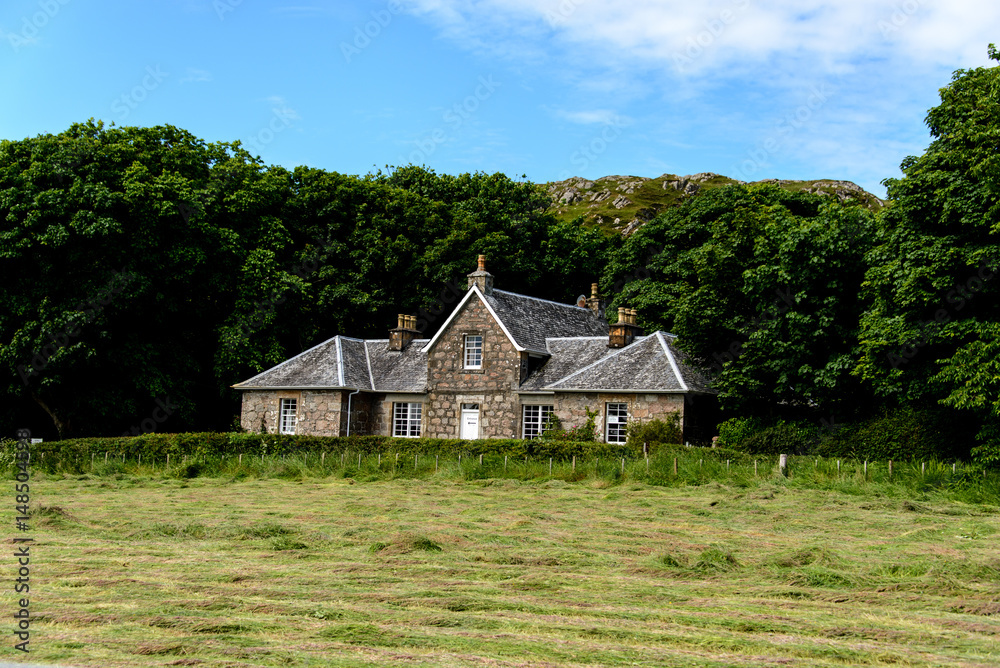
column 320, row 412
column 492, row 387
column 571, row 407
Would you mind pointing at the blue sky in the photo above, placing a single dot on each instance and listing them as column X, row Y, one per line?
column 792, row 89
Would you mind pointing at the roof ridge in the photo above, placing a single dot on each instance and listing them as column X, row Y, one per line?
column 539, row 299
column 673, row 362
column 368, row 360
column 340, row 362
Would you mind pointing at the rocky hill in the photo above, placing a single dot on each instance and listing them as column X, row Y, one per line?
column 624, row 203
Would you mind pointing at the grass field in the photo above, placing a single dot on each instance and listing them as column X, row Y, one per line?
column 440, row 570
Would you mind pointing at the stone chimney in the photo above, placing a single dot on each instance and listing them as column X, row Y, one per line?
column 482, row 278
column 406, row 331
column 595, row 303
column 625, row 330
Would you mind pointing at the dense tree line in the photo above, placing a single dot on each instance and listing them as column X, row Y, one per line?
column 802, row 309
column 146, row 270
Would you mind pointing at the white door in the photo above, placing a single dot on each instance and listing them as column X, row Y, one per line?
column 470, row 423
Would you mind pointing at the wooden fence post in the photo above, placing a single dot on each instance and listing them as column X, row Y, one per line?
column 783, row 464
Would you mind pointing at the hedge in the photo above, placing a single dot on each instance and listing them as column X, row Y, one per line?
column 205, row 444
column 152, row 447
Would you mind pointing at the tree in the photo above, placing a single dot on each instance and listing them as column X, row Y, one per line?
column 760, row 286
column 931, row 330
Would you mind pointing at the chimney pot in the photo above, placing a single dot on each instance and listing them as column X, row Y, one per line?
column 405, row 332
column 481, row 277
column 593, row 290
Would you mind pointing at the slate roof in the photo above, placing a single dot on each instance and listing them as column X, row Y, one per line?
column 352, row 364
column 531, row 321
column 649, row 364
column 573, row 342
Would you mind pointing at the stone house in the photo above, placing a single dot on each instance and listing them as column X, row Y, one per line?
column 498, row 367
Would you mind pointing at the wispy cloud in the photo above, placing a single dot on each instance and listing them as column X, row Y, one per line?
column 280, row 106
column 589, row 117
column 736, row 74
column 193, row 75
column 732, row 31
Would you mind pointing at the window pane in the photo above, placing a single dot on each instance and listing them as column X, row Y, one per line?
column 617, row 420
column 406, row 419
column 534, row 419
column 286, row 419
column 473, row 352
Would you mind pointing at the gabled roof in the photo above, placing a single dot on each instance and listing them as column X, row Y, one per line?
column 650, row 364
column 573, row 342
column 528, row 321
column 351, row 364
column 531, row 321
column 398, row 371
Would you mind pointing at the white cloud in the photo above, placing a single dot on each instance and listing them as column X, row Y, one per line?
column 721, row 33
column 590, row 117
column 722, row 75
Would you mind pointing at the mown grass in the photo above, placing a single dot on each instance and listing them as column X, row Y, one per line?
column 137, row 567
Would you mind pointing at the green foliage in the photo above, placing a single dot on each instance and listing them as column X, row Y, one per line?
column 902, row 435
column 156, row 447
column 196, row 266
column 782, row 438
column 987, row 453
column 734, row 431
column 931, row 328
column 553, row 430
column 760, row 285
column 655, row 432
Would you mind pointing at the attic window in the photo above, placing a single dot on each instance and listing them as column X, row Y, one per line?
column 473, row 352
column 288, row 416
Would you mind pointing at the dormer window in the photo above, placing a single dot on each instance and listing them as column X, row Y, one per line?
column 473, row 352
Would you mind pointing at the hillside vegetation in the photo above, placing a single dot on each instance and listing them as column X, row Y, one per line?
column 625, row 203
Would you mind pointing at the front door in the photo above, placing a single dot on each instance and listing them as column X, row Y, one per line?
column 470, row 421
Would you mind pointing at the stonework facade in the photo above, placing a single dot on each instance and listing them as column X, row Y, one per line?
column 528, row 352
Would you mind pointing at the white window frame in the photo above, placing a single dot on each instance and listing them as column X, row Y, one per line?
column 288, row 416
column 533, row 419
column 473, row 348
column 615, row 422
column 406, row 419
